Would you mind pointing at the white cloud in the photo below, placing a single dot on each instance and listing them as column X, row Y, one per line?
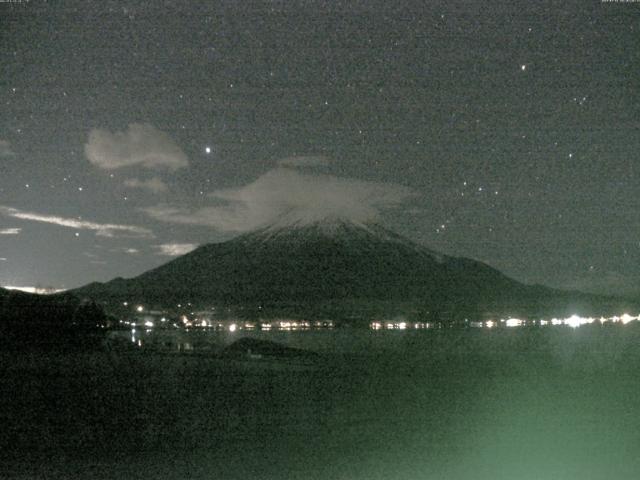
column 286, row 192
column 10, row 231
column 101, row 229
column 141, row 145
column 175, row 249
column 154, row 185
column 5, row 149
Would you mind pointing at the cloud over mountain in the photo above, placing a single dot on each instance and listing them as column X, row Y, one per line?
column 140, row 145
column 286, row 191
column 175, row 249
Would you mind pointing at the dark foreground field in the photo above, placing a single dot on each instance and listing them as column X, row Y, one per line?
column 513, row 404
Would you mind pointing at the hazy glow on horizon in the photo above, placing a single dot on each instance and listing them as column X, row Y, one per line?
column 39, row 290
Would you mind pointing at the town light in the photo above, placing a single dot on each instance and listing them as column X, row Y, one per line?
column 514, row 322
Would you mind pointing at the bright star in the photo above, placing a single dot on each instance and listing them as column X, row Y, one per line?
column 207, row 149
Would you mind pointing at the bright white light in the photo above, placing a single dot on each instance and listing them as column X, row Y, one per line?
column 207, row 149
column 573, row 321
column 626, row 318
column 45, row 291
column 140, row 308
column 514, row 322
column 233, row 327
column 148, row 323
column 402, row 325
column 490, row 324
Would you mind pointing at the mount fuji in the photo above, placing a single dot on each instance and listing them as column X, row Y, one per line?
column 327, row 265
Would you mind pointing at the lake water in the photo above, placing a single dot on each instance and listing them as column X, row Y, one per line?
column 539, row 403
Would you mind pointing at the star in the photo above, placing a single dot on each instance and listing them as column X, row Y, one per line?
column 207, row 150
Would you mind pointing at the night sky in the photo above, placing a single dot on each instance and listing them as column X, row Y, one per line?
column 507, row 132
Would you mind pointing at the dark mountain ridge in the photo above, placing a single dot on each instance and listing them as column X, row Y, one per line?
column 60, row 309
column 313, row 263
column 52, row 320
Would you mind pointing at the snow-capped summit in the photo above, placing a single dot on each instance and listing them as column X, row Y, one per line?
column 313, row 261
column 327, row 224
column 294, row 229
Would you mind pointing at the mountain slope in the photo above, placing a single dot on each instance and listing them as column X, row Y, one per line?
column 331, row 260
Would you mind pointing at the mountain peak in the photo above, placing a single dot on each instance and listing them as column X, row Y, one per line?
column 322, row 221
column 296, row 230
column 315, row 261
column 293, row 225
